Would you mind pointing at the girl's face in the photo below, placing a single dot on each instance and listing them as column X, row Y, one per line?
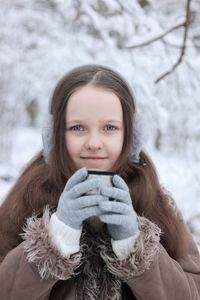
column 94, row 128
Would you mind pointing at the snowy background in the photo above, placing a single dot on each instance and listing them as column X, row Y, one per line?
column 41, row 40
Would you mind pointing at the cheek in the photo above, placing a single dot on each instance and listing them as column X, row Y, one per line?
column 115, row 146
column 73, row 145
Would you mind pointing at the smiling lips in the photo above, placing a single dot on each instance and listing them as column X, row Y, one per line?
column 93, row 157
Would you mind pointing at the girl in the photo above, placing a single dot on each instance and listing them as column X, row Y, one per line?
column 49, row 246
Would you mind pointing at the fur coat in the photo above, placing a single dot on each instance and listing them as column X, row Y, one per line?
column 36, row 270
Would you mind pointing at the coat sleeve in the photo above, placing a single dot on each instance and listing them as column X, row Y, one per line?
column 151, row 273
column 20, row 280
column 30, row 270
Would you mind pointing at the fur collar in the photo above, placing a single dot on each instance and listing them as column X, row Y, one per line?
column 95, row 281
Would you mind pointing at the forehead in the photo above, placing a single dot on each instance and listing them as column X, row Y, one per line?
column 93, row 102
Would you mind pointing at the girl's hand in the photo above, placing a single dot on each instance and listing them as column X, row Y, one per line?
column 119, row 214
column 73, row 208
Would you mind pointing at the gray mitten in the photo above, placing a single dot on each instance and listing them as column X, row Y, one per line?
column 119, row 214
column 74, row 206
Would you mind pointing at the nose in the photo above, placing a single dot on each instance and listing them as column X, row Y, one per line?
column 94, row 142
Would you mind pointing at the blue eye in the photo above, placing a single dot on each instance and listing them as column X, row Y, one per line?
column 110, row 127
column 76, row 128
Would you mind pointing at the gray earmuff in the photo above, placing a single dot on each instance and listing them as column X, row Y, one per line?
column 136, row 146
column 47, row 131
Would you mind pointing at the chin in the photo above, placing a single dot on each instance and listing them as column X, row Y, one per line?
column 96, row 169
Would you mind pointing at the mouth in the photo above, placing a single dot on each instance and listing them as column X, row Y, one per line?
column 93, row 158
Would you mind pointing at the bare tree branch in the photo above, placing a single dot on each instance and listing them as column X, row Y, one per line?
column 124, row 8
column 156, row 38
column 183, row 48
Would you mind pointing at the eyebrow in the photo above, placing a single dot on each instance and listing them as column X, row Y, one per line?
column 101, row 121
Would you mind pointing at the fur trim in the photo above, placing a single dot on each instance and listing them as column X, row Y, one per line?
column 41, row 252
column 144, row 251
column 102, row 274
column 95, row 282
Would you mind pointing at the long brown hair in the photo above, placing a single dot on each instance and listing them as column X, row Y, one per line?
column 42, row 183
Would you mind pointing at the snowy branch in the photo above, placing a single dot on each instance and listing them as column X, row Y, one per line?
column 146, row 43
column 183, row 48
